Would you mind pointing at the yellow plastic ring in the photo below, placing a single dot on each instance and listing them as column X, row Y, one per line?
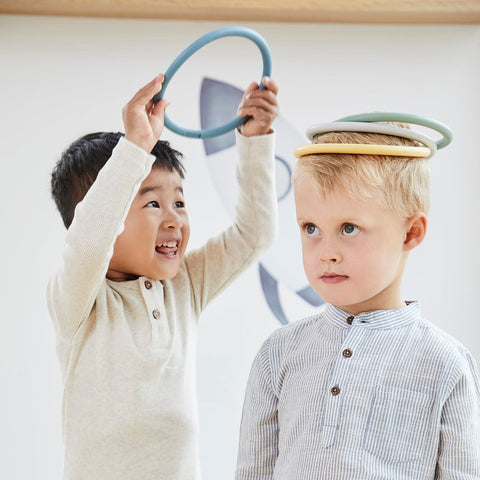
column 363, row 149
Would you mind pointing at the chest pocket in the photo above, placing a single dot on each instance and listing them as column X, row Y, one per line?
column 397, row 424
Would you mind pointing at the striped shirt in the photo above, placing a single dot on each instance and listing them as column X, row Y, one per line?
column 380, row 395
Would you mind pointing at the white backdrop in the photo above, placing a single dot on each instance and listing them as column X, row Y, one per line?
column 61, row 78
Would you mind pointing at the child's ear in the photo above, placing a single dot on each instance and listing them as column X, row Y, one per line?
column 416, row 230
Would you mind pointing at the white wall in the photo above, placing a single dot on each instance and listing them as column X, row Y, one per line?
column 61, row 78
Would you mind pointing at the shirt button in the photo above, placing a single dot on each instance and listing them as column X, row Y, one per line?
column 335, row 390
column 148, row 284
column 350, row 320
column 347, row 353
column 156, row 313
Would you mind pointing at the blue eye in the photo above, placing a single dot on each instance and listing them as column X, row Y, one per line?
column 350, row 230
column 310, row 229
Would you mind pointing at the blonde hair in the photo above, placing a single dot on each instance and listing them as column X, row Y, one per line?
column 402, row 182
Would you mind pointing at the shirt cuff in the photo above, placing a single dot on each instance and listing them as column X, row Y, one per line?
column 251, row 147
column 133, row 148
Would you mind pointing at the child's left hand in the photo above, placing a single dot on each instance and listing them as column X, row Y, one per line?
column 261, row 105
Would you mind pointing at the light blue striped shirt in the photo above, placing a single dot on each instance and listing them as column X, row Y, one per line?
column 382, row 395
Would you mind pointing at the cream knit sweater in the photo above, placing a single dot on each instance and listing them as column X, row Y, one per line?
column 127, row 349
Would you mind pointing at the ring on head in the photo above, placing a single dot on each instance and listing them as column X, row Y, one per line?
column 367, row 123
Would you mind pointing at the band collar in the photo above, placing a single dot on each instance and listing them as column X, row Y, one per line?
column 376, row 319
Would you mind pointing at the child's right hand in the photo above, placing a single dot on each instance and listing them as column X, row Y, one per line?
column 143, row 121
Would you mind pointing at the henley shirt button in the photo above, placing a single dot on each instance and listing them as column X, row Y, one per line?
column 335, row 390
column 148, row 284
column 156, row 313
column 350, row 320
column 347, row 353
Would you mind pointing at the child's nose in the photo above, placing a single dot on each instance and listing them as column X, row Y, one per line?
column 329, row 252
column 172, row 221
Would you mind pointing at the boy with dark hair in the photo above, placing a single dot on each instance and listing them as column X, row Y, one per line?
column 126, row 298
column 84, row 158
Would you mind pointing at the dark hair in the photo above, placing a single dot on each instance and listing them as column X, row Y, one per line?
column 80, row 163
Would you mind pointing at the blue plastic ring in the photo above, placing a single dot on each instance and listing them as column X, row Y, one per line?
column 446, row 133
column 189, row 51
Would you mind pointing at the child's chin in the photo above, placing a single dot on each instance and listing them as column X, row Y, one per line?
column 167, row 275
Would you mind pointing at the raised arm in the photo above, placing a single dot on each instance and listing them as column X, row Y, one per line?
column 99, row 217
column 224, row 257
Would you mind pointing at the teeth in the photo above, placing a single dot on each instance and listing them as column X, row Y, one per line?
column 168, row 244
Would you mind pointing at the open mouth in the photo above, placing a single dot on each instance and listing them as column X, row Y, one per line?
column 168, row 248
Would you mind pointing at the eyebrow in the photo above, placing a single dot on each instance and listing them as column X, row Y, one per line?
column 155, row 188
column 342, row 220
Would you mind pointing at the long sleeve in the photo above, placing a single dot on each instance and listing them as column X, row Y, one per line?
column 212, row 267
column 408, row 406
column 127, row 350
column 459, row 452
column 89, row 241
column 258, row 448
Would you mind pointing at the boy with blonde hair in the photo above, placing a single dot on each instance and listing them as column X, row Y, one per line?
column 366, row 389
column 126, row 297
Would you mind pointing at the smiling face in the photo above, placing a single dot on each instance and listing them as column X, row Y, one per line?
column 156, row 231
column 354, row 251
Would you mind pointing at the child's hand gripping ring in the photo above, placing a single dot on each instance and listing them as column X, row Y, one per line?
column 189, row 51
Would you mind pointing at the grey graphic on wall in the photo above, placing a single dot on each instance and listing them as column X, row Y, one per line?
column 282, row 263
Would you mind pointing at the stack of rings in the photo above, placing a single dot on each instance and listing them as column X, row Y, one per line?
column 365, row 123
